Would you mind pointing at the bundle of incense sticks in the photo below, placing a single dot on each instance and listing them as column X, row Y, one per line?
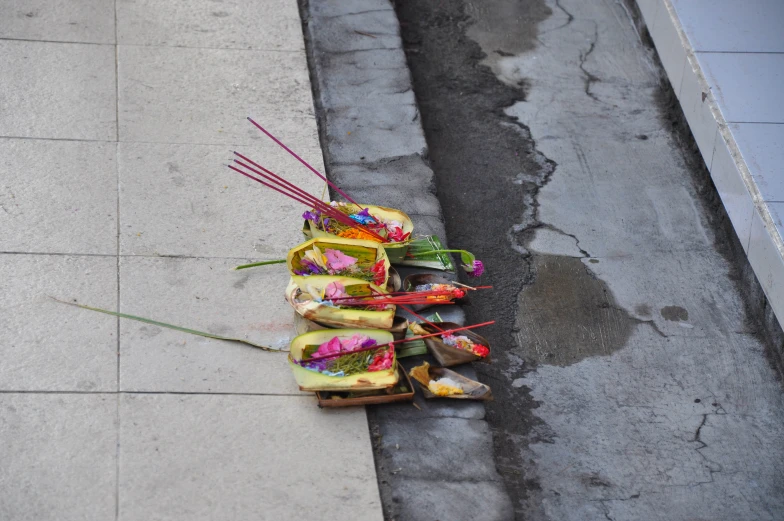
column 402, row 341
column 420, row 317
column 399, row 298
column 258, row 173
column 403, row 297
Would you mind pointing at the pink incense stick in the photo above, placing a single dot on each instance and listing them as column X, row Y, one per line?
column 305, row 198
column 317, row 203
column 314, row 201
column 291, row 186
column 420, row 317
column 268, row 185
column 287, row 149
column 301, row 194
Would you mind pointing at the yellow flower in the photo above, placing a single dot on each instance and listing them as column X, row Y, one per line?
column 316, row 257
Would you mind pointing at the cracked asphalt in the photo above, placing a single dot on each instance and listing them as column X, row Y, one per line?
column 630, row 373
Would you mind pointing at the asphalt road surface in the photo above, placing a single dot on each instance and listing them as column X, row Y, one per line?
column 631, row 380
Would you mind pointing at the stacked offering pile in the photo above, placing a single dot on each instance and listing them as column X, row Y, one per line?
column 342, row 278
column 346, row 294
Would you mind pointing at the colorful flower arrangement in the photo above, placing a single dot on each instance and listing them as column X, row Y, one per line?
column 333, row 261
column 441, row 292
column 346, row 357
column 450, row 340
column 464, row 343
column 382, row 231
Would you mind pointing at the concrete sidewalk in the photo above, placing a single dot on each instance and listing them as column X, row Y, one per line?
column 115, row 123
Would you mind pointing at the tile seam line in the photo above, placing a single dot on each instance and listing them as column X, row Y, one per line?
column 697, row 51
column 131, row 256
column 117, row 264
column 755, row 122
column 117, row 44
column 125, row 141
column 150, row 393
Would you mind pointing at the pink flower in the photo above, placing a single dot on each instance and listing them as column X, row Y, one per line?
column 337, row 260
column 329, row 348
column 476, row 270
column 354, row 343
column 335, row 290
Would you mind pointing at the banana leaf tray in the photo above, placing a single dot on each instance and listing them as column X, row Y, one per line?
column 402, row 392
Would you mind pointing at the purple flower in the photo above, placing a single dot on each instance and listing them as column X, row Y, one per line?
column 476, row 270
column 369, row 342
column 314, row 365
column 311, row 216
column 310, row 268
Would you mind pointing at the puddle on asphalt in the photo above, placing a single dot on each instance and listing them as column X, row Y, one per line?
column 674, row 314
column 568, row 314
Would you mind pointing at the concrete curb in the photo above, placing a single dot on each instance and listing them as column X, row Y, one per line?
column 369, row 124
column 437, row 459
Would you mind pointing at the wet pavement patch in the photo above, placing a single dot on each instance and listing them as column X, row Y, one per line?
column 568, row 314
column 488, row 174
column 674, row 314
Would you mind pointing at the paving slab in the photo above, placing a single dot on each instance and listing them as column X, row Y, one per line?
column 183, row 95
column 424, row 448
column 373, row 134
column 183, row 200
column 760, row 146
column 85, row 21
column 58, row 198
column 433, row 499
column 730, row 26
column 736, row 409
column 376, row 76
column 657, row 197
column 733, row 191
column 233, row 24
column 48, row 346
column 196, row 293
column 59, row 456
column 766, row 258
column 746, row 85
column 244, row 457
column 364, row 30
column 58, row 90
